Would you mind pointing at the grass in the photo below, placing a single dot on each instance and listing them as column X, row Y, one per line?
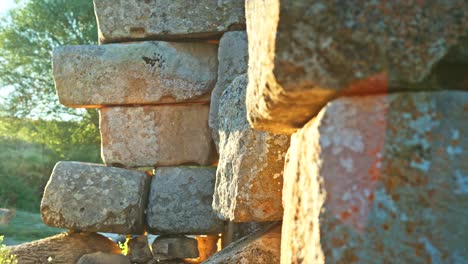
column 26, row 227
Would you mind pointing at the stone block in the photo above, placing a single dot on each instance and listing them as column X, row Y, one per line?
column 139, row 250
column 103, row 258
column 207, row 246
column 249, row 177
column 153, row 72
column 232, row 61
column 63, row 248
column 175, row 247
column 124, row 20
column 305, row 53
column 180, row 202
column 164, row 135
column 379, row 179
column 91, row 197
column 262, row 247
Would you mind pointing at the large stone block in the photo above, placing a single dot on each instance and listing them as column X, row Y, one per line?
column 262, row 247
column 180, row 201
column 164, row 135
column 175, row 247
column 379, row 179
column 63, row 248
column 91, row 197
column 233, row 61
column 304, row 53
column 249, row 178
column 124, row 20
column 152, row 72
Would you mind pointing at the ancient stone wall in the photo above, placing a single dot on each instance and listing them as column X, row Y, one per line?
column 342, row 122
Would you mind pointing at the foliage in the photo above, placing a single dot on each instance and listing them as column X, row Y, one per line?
column 30, row 149
column 28, row 34
column 5, row 256
column 26, row 227
column 124, row 246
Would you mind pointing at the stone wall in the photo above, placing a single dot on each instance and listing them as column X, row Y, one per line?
column 341, row 121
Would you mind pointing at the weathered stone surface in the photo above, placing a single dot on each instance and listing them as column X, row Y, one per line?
column 304, row 53
column 153, row 72
column 174, row 247
column 91, row 197
column 103, row 258
column 180, row 201
column 233, row 58
column 249, row 177
column 379, row 179
column 262, row 247
column 64, row 248
column 164, row 135
column 123, row 20
column 139, row 250
column 207, row 246
column 459, row 52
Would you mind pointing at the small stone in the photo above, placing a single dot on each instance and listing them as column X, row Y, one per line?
column 302, row 54
column 249, row 177
column 180, row 201
column 139, row 250
column 92, row 197
column 153, row 72
column 124, row 20
column 262, row 247
column 164, row 135
column 379, row 179
column 207, row 246
column 233, row 61
column 63, row 248
column 103, row 258
column 174, row 247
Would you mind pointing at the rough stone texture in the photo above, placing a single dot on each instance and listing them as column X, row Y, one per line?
column 262, row 247
column 91, row 197
column 152, row 72
column 180, row 201
column 139, row 250
column 377, row 179
column 165, row 135
column 207, row 246
column 249, row 178
column 124, row 20
column 64, row 248
column 459, row 52
column 304, row 53
column 233, row 61
column 103, row 258
column 174, row 247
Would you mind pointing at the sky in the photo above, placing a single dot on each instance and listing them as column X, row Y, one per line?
column 5, row 5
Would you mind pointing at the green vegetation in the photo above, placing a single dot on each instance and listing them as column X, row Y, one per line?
column 28, row 34
column 5, row 256
column 35, row 130
column 30, row 149
column 25, row 227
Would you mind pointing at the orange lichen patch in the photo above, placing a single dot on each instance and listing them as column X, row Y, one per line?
column 372, row 85
column 385, row 227
column 339, row 241
column 345, row 215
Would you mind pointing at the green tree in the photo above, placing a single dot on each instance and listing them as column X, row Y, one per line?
column 35, row 130
column 28, row 34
